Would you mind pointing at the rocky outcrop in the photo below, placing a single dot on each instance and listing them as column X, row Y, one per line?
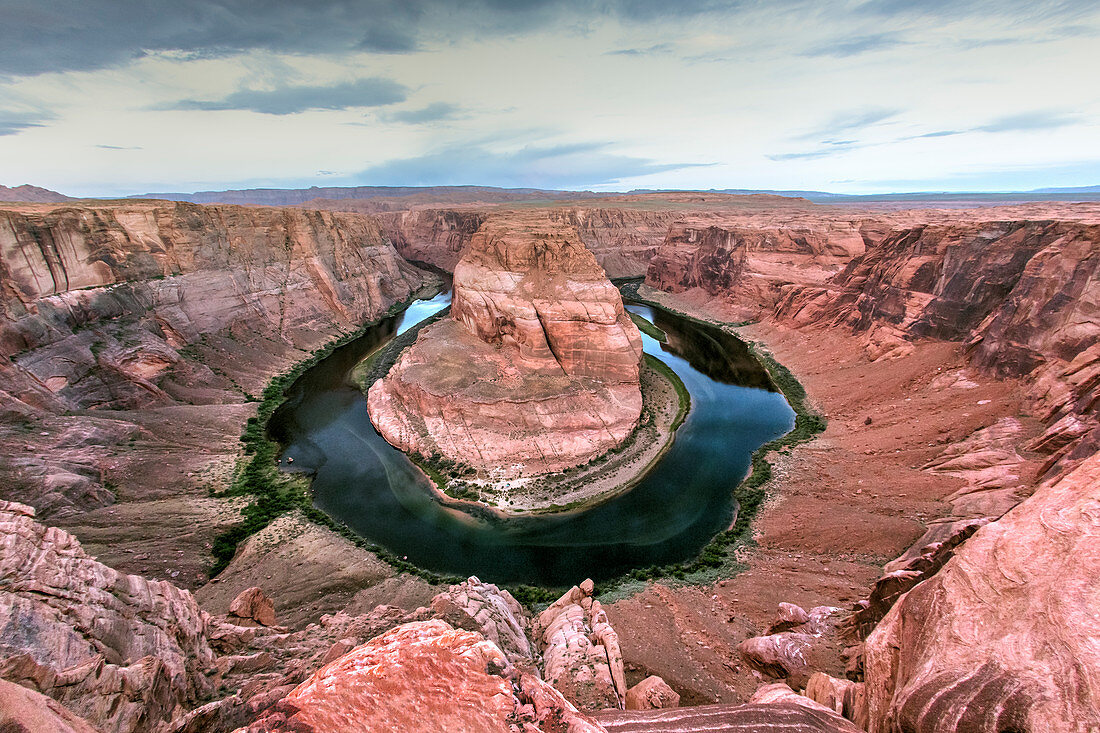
column 581, row 650
column 252, row 607
column 424, row 676
column 1003, row 637
column 26, row 711
column 652, row 693
column 536, row 371
column 792, row 647
column 120, row 651
column 490, row 611
column 1024, row 296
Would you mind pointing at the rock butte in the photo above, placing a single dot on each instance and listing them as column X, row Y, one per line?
column 954, row 352
column 536, row 370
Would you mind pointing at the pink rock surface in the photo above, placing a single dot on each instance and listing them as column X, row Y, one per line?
column 424, row 676
column 1004, row 636
column 536, row 372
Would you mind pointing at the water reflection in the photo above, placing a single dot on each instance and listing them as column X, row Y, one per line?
column 362, row 481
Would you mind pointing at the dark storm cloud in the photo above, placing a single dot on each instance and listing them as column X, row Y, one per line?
column 561, row 166
column 434, row 112
column 38, row 36
column 371, row 92
column 854, row 46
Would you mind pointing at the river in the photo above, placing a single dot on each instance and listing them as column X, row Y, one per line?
column 363, row 482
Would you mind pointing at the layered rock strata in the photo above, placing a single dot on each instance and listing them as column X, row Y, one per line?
column 1023, row 295
column 536, row 370
column 111, row 647
column 1004, row 636
column 581, row 650
column 129, row 308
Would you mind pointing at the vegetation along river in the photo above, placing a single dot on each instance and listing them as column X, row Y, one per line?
column 363, row 482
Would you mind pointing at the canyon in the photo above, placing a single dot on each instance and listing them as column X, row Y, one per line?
column 939, row 533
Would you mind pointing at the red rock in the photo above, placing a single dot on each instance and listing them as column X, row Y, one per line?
column 115, row 649
column 27, row 711
column 537, row 371
column 252, row 605
column 580, row 650
column 650, row 694
column 423, row 676
column 1004, row 636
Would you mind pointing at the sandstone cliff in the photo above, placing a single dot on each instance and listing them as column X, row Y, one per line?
column 1004, row 637
column 1023, row 295
column 435, row 236
column 536, row 371
column 747, row 260
column 123, row 307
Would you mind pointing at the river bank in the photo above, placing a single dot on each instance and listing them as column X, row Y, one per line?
column 838, row 508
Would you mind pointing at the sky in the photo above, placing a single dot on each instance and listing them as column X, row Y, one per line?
column 112, row 97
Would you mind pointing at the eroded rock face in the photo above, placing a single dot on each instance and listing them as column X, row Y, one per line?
column 492, row 612
column 118, row 650
column 435, row 236
column 536, row 371
column 1024, row 295
column 424, row 676
column 1004, row 636
column 581, row 651
column 748, row 261
column 145, row 305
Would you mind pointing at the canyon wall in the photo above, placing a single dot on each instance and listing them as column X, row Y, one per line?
column 536, row 371
column 747, row 261
column 623, row 240
column 118, row 308
column 1023, row 295
column 435, row 236
column 1004, row 636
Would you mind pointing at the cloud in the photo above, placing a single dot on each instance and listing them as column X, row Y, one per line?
column 855, row 45
column 655, row 49
column 850, row 121
column 38, row 37
column 1023, row 122
column 1026, row 121
column 119, row 147
column 13, row 122
column 371, row 92
column 555, row 167
column 434, row 112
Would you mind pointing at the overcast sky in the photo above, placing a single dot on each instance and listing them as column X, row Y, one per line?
column 105, row 97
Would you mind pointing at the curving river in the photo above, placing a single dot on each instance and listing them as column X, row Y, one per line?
column 365, row 483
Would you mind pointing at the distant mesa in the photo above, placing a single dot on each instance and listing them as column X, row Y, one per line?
column 536, row 371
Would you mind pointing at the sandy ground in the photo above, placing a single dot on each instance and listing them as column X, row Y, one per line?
column 839, row 507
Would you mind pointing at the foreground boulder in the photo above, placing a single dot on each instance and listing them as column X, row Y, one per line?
column 490, row 611
column 252, row 606
column 1004, row 636
column 425, row 676
column 536, row 371
column 120, row 651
